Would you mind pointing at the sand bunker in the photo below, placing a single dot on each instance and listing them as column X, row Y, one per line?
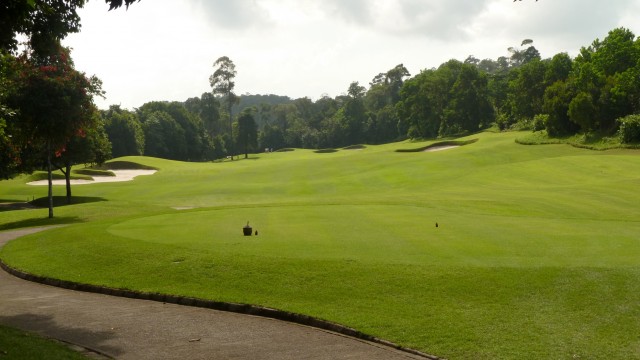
column 440, row 148
column 121, row 175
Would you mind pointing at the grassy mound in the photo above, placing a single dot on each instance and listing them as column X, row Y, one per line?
column 535, row 254
column 439, row 144
column 124, row 165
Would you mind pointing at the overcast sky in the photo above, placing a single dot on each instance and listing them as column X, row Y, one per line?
column 165, row 49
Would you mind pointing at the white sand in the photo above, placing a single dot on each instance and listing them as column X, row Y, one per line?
column 121, row 175
column 440, row 148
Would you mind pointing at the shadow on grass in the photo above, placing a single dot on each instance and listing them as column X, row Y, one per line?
column 43, row 221
column 355, row 147
column 49, row 327
column 325, row 151
column 59, row 201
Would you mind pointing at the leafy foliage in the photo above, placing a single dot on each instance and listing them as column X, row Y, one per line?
column 450, row 100
column 114, row 4
column 247, row 137
column 55, row 105
column 124, row 130
column 630, row 128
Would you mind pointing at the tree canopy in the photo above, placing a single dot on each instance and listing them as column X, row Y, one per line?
column 54, row 104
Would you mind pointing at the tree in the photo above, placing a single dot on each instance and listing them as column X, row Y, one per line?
column 247, row 131
column 469, row 108
column 583, row 111
column 520, row 57
column 10, row 157
column 55, row 102
column 192, row 132
column 616, row 53
column 124, row 130
column 114, row 4
column 222, row 83
column 356, row 91
column 164, row 137
column 352, row 116
column 556, row 105
column 558, row 69
column 526, row 90
column 418, row 109
column 383, row 125
column 89, row 146
column 44, row 22
column 207, row 107
column 9, row 153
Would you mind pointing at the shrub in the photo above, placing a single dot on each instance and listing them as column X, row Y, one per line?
column 629, row 129
column 539, row 122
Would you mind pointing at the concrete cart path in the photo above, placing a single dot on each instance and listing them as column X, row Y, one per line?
column 125, row 328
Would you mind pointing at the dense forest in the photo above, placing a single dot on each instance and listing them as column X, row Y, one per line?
column 596, row 91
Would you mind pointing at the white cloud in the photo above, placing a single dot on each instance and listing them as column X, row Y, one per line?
column 165, row 49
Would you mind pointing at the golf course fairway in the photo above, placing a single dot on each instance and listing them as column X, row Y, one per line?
column 536, row 252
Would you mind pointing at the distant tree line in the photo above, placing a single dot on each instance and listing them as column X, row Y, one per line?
column 593, row 92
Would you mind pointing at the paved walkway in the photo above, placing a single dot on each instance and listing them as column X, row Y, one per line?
column 137, row 329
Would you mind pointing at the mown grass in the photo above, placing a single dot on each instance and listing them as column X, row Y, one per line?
column 535, row 254
column 20, row 345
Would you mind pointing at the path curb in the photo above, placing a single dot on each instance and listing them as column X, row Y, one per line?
column 214, row 305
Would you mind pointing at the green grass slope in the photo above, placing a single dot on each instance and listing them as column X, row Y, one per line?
column 536, row 253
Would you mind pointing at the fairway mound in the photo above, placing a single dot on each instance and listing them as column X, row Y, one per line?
column 325, row 151
column 124, row 165
column 439, row 146
column 119, row 176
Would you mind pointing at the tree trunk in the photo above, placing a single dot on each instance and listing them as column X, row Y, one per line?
column 50, row 178
column 67, row 175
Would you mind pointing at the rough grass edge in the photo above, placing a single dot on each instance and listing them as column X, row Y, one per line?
column 579, row 141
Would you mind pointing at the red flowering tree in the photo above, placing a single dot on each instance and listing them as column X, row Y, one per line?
column 90, row 145
column 54, row 103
